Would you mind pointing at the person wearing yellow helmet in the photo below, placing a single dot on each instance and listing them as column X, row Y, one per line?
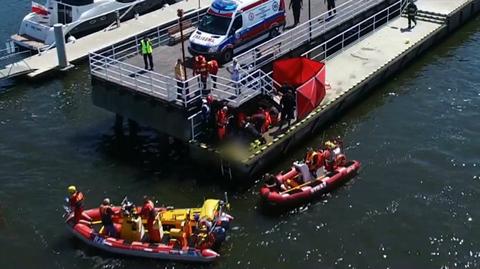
column 75, row 200
column 332, row 149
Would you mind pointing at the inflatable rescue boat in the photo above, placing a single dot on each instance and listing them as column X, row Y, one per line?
column 299, row 185
column 184, row 234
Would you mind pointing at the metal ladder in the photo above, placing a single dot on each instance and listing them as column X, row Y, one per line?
column 226, row 169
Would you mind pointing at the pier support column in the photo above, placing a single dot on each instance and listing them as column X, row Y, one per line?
column 63, row 63
column 132, row 128
column 118, row 127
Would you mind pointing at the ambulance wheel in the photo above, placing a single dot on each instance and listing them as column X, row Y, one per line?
column 275, row 31
column 227, row 56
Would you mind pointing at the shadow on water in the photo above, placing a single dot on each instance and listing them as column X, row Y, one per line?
column 149, row 152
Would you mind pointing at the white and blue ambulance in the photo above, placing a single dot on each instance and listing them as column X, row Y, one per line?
column 230, row 26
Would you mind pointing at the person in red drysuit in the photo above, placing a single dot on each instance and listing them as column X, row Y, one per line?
column 212, row 68
column 200, row 68
column 149, row 213
column 222, row 122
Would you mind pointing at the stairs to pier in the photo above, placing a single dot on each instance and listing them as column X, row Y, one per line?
column 429, row 16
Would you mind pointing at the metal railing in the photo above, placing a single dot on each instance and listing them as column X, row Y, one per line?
column 152, row 83
column 160, row 35
column 302, row 34
column 353, row 34
column 320, row 52
column 13, row 62
column 120, row 17
column 110, row 63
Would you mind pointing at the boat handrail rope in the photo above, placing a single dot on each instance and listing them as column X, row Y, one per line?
column 132, row 5
column 304, row 184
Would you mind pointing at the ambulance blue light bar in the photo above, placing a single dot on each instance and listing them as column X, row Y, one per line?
column 225, row 5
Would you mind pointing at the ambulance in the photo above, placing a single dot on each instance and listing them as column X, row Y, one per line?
column 230, row 26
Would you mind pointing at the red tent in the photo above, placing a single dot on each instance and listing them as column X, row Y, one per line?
column 308, row 76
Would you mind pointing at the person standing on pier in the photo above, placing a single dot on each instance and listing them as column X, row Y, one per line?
column 331, row 7
column 288, row 104
column 212, row 67
column 235, row 75
column 147, row 50
column 222, row 122
column 411, row 13
column 296, row 6
column 180, row 77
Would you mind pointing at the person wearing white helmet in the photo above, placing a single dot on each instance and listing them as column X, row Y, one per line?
column 106, row 214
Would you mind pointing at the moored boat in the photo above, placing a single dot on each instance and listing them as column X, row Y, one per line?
column 188, row 234
column 79, row 17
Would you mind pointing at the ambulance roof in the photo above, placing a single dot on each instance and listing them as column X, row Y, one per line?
column 232, row 5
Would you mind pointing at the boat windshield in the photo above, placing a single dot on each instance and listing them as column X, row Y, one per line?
column 214, row 24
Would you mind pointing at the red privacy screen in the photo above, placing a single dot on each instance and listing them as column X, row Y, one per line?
column 307, row 76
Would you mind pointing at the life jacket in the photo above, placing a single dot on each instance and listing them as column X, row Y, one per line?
column 221, row 119
column 148, row 210
column 106, row 214
column 147, row 47
column 76, row 200
column 268, row 121
column 203, row 70
column 212, row 67
column 315, row 161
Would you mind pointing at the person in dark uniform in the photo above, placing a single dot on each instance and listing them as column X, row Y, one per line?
column 411, row 13
column 296, row 6
column 288, row 104
column 331, row 7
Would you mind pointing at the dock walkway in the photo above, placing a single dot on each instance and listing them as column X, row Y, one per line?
column 47, row 61
column 354, row 70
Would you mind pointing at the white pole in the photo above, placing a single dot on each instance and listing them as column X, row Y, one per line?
column 60, row 44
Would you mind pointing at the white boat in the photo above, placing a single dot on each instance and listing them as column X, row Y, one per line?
column 79, row 17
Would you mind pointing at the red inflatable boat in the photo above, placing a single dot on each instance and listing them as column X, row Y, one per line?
column 277, row 193
column 183, row 238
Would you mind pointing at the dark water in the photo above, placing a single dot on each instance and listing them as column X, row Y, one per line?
column 414, row 205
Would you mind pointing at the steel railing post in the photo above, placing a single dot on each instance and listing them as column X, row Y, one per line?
column 105, row 67
column 151, row 82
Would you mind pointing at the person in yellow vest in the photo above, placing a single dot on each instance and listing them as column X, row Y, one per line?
column 147, row 50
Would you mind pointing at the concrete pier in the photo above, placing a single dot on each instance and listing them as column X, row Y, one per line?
column 353, row 73
column 380, row 47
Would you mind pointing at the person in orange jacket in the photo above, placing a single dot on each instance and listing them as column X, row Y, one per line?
column 149, row 213
column 212, row 67
column 75, row 200
column 222, row 122
column 200, row 68
column 106, row 215
column 314, row 160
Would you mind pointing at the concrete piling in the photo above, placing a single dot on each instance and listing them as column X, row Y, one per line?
column 60, row 44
